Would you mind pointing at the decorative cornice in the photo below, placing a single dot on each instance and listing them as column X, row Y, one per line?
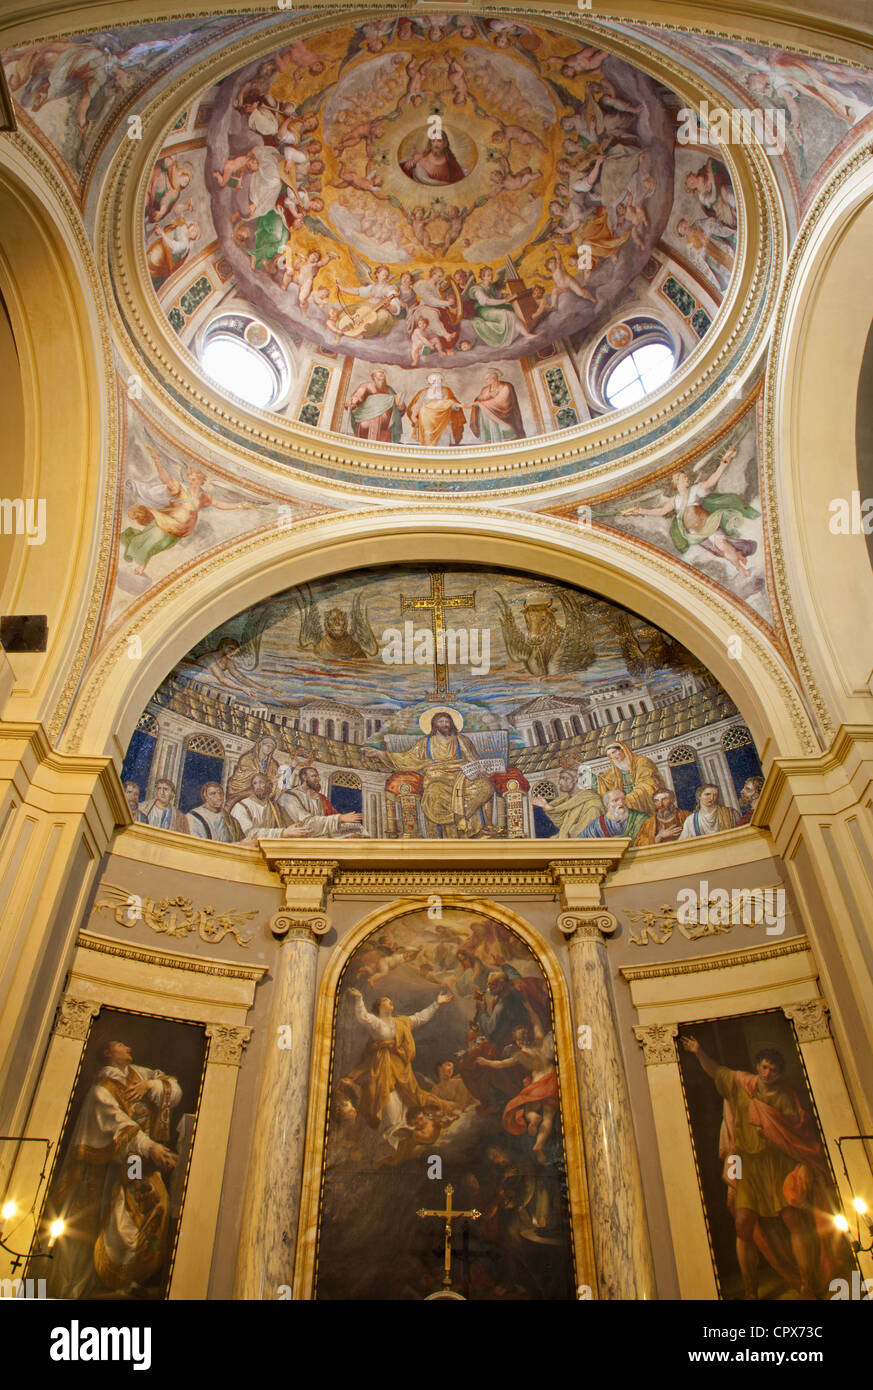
column 656, row 1040
column 810, row 1019
column 74, row 1015
column 535, row 883
column 725, row 961
column 226, row 1043
column 168, row 960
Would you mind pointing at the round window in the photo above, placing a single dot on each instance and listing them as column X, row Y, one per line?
column 242, row 370
column 638, row 373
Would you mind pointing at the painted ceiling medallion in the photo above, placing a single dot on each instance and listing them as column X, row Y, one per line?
column 437, row 222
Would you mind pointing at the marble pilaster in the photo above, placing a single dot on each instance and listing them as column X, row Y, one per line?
column 618, row 1215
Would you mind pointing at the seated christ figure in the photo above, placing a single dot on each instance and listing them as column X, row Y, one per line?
column 454, row 806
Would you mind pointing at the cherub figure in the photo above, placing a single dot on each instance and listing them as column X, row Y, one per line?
column 420, row 340
column 415, row 75
column 461, row 93
column 506, row 134
column 587, row 59
column 565, row 283
column 512, row 181
column 634, row 214
column 234, row 167
column 302, row 272
column 535, row 1106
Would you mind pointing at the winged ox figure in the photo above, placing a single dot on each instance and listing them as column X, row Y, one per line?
column 545, row 646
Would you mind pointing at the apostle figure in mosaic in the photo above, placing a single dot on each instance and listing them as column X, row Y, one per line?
column 665, row 824
column 633, row 774
column 710, row 816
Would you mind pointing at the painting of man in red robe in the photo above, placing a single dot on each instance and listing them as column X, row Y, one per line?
column 780, row 1195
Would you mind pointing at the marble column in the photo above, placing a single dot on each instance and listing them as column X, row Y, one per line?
column 620, row 1232
column 268, row 1234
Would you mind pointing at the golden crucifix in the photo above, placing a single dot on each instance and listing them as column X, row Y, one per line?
column 448, row 1215
column 436, row 606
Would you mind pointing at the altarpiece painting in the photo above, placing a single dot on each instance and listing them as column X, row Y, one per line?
column 444, row 1072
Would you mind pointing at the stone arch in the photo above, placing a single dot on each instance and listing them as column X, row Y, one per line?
column 52, row 396
column 115, row 694
column 814, row 388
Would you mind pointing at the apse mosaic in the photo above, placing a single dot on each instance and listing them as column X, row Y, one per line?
column 440, row 704
column 427, row 209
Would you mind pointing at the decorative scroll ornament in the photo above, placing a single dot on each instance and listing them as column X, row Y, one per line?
column 709, row 919
column 656, row 1040
column 288, row 924
column 227, row 1043
column 587, row 926
column 74, row 1016
column 175, row 916
column 810, row 1019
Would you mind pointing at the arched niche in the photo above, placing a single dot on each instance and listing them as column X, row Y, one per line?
column 814, row 401
column 339, row 974
column 117, row 689
column 51, row 404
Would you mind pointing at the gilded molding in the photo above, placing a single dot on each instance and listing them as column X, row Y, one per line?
column 226, row 1044
column 810, row 1019
column 726, row 961
column 650, row 566
column 168, row 960
column 101, row 546
column 768, row 454
column 656, row 1040
column 537, row 883
column 74, row 1015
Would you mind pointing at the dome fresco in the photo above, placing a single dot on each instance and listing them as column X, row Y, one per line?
column 458, row 198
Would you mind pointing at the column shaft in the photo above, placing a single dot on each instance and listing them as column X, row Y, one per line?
column 268, row 1235
column 618, row 1215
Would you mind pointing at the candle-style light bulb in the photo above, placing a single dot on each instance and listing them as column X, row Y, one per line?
column 841, row 1223
column 7, row 1211
column 55, row 1229
column 860, row 1205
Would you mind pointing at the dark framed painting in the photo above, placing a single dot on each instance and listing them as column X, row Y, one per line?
column 444, row 1075
column 121, row 1167
column 766, row 1181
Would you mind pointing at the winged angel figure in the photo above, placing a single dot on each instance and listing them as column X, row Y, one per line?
column 343, row 635
column 545, row 646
